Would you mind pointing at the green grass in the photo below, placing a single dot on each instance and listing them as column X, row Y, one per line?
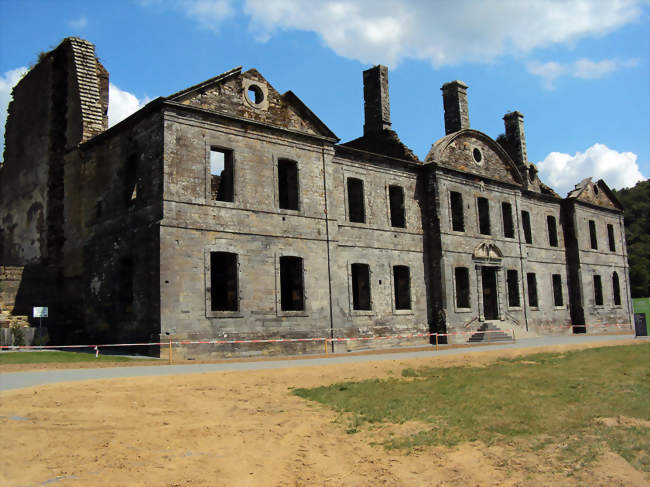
column 58, row 357
column 556, row 397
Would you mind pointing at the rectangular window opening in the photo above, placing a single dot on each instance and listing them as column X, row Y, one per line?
column 525, row 221
column 592, row 235
column 484, row 216
column 396, row 197
column 508, row 223
column 361, row 287
column 221, row 174
column 402, row 282
column 532, row 290
column 131, row 188
column 512, row 279
column 552, row 231
column 462, row 287
column 291, row 284
column 356, row 205
column 223, row 282
column 616, row 289
column 598, row 290
column 557, row 290
column 610, row 236
column 288, row 184
column 457, row 215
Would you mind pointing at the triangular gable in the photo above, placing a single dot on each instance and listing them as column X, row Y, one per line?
column 597, row 193
column 386, row 143
column 473, row 152
column 248, row 95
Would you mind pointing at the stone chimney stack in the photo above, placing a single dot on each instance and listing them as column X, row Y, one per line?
column 376, row 100
column 515, row 137
column 454, row 98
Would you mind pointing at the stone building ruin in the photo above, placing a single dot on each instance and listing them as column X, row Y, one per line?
column 231, row 211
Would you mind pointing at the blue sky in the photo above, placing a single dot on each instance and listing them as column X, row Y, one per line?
column 577, row 70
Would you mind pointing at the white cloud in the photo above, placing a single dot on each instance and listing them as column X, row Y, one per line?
column 442, row 33
column 121, row 104
column 78, row 24
column 563, row 171
column 582, row 68
column 7, row 82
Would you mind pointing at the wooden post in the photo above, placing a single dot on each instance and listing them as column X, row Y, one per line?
column 326, row 351
column 513, row 335
column 437, row 349
column 170, row 351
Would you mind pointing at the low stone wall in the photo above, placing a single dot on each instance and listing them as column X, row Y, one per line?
column 7, row 336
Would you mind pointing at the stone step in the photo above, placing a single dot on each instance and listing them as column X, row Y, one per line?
column 489, row 332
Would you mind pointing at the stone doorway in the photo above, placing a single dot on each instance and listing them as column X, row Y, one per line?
column 490, row 299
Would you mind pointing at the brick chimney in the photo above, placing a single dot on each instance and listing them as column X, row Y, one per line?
column 376, row 100
column 516, row 138
column 454, row 98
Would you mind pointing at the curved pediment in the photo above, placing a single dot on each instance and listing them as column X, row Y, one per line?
column 487, row 252
column 476, row 153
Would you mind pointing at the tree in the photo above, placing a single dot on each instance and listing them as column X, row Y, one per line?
column 636, row 202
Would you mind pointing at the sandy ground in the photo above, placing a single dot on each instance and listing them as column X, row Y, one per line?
column 245, row 428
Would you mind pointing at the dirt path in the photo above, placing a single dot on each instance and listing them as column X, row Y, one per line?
column 245, row 428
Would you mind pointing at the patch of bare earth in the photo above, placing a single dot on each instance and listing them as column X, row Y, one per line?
column 245, row 428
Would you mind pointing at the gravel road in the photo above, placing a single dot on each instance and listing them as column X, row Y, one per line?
column 18, row 380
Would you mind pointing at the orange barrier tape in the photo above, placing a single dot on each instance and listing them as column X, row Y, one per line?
column 261, row 340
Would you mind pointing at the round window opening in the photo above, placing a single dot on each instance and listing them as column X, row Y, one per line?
column 478, row 157
column 255, row 94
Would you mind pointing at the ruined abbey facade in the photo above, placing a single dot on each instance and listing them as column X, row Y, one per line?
column 228, row 210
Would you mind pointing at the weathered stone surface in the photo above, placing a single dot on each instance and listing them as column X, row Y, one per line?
column 118, row 226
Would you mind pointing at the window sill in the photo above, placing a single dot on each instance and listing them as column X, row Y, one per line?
column 348, row 223
column 463, row 310
column 514, row 308
column 287, row 211
column 533, row 308
column 224, row 314
column 300, row 313
column 403, row 312
column 225, row 204
column 362, row 312
column 559, row 307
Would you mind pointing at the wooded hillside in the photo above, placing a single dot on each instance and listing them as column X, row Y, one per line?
column 636, row 201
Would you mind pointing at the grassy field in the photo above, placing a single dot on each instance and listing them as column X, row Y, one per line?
column 58, row 357
column 584, row 400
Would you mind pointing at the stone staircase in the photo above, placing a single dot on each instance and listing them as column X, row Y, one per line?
column 494, row 334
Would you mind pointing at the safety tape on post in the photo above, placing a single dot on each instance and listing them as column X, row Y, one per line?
column 261, row 340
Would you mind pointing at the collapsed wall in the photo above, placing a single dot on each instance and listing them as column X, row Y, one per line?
column 61, row 102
